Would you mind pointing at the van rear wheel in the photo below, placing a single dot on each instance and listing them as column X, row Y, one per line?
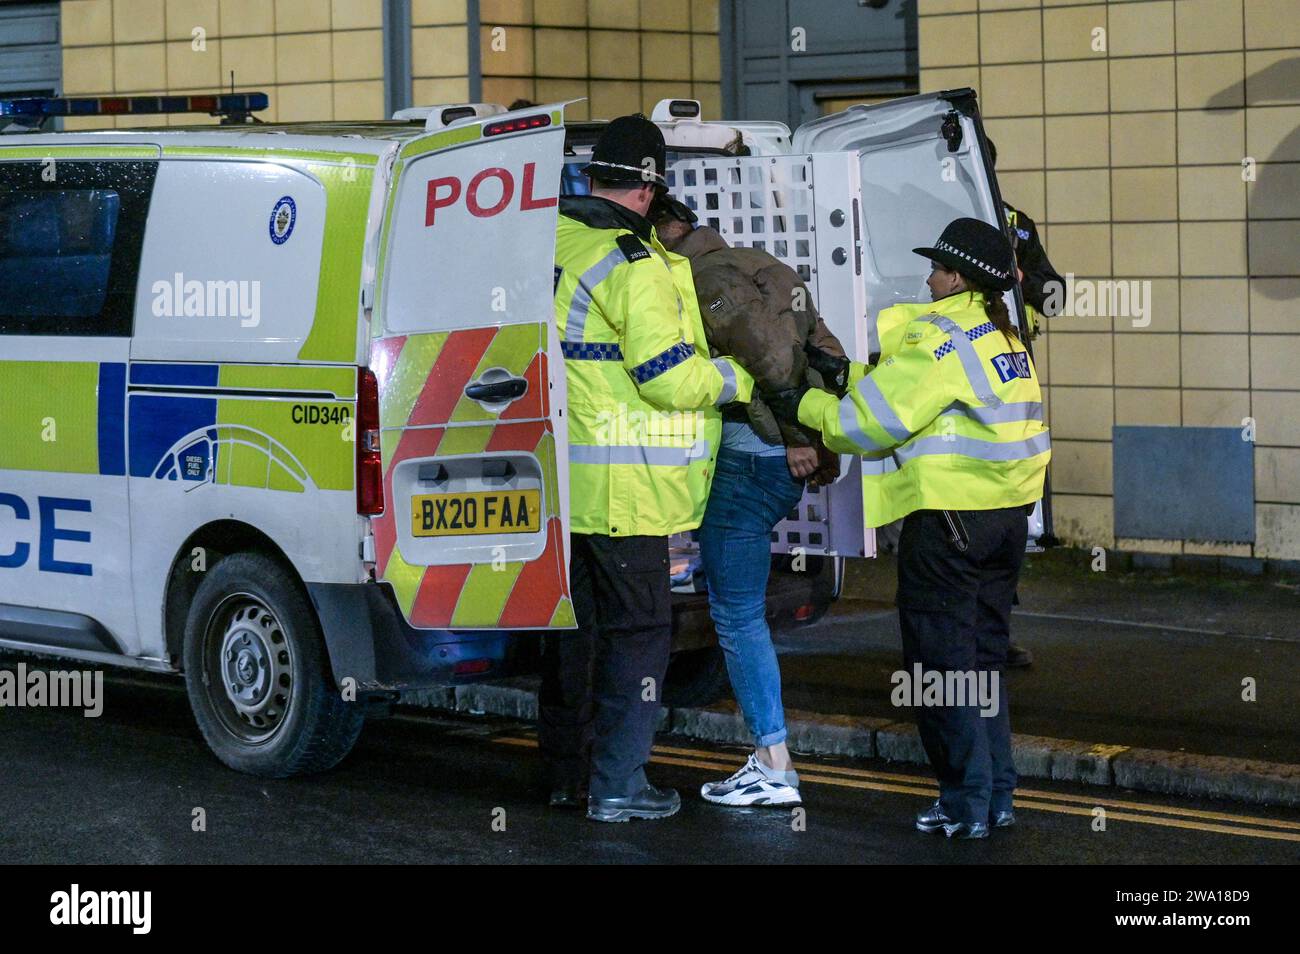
column 258, row 676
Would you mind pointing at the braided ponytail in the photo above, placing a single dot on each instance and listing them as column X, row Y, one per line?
column 996, row 310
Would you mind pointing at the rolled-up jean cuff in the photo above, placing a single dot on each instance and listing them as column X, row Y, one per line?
column 772, row 738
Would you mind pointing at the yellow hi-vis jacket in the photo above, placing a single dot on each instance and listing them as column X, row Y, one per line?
column 643, row 394
column 953, row 420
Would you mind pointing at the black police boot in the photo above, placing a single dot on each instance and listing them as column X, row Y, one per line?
column 932, row 819
column 568, row 796
column 1018, row 657
column 935, row 819
column 650, row 803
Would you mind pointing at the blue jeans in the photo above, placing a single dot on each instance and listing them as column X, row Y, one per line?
column 750, row 495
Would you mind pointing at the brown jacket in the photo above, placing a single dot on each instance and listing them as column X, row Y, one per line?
column 748, row 300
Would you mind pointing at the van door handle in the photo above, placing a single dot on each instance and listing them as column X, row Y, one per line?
column 499, row 391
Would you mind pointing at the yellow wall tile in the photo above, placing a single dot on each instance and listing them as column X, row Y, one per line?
column 302, row 57
column 710, row 98
column 1080, row 358
column 359, row 100
column 1277, row 474
column 615, row 54
column 137, row 21
column 561, row 52
column 356, row 15
column 358, row 55
column 652, row 93
column 1081, row 468
column 252, row 58
column 1083, row 521
column 664, row 57
column 614, row 14
column 1271, row 304
column 557, row 90
column 1215, row 361
column 1014, row 37
column 1020, row 142
column 1270, row 133
column 1143, row 359
column 1277, row 417
column 1082, row 413
column 1271, row 23
column 1144, row 195
column 947, row 41
column 138, row 67
column 1275, row 193
column 506, row 50
column 1215, row 408
column 1075, row 141
column 1272, row 76
column 188, row 68
column 518, row 12
column 1204, row 26
column 1078, row 196
column 1161, row 299
column 706, row 59
column 438, row 12
column 610, row 98
column 246, row 17
column 1215, row 304
column 934, row 80
column 1075, row 87
column 1147, row 250
column 1027, row 191
column 928, row 7
column 1142, row 139
column 560, row 13
column 1011, row 90
column 1068, row 32
column 1142, row 29
column 183, row 16
column 1082, row 249
column 1207, row 136
column 667, row 15
column 1277, row 531
column 439, row 51
column 1156, row 407
column 301, row 16
column 1273, row 361
column 86, row 22
column 506, row 89
column 1213, row 249
column 440, row 92
column 1143, row 83
column 1211, row 192
column 305, row 102
column 704, row 16
column 1211, row 80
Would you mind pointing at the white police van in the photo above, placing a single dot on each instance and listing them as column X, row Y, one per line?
column 281, row 405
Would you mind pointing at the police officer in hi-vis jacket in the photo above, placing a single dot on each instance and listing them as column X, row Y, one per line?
column 951, row 423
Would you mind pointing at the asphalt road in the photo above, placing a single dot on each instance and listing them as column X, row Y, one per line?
column 123, row 788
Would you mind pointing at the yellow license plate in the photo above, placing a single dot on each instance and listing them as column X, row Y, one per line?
column 480, row 511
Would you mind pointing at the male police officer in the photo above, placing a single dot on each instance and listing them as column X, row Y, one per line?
column 644, row 430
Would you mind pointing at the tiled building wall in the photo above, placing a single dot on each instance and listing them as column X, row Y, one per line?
column 1130, row 158
column 318, row 59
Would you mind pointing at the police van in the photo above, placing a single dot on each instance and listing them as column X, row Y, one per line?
column 282, row 405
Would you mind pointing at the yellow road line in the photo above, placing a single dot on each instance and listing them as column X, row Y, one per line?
column 859, row 779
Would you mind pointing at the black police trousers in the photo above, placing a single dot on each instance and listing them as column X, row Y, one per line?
column 954, row 608
column 602, row 684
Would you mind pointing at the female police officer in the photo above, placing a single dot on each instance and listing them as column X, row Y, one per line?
column 951, row 425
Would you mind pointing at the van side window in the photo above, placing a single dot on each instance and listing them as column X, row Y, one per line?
column 70, row 237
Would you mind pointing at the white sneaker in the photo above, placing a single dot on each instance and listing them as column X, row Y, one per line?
column 754, row 784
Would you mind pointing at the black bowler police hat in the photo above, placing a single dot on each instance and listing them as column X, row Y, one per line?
column 977, row 250
column 622, row 150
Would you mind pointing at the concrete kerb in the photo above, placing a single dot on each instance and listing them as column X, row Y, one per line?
column 811, row 733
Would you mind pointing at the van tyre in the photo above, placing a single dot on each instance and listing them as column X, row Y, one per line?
column 258, row 676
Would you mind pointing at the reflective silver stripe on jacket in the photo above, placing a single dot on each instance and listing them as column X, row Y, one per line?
column 873, row 335
column 729, row 385
column 956, row 444
column 575, row 323
column 1005, row 414
column 970, row 361
column 606, row 454
column 849, row 425
column 885, row 415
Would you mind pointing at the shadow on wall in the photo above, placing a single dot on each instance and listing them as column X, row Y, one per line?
column 1274, row 84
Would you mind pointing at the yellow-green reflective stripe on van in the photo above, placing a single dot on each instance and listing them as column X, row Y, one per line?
column 341, row 382
column 325, row 448
column 484, row 595
column 338, row 290
column 79, row 151
column 408, row 377
column 49, row 416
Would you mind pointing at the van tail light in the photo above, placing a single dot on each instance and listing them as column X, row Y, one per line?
column 370, row 467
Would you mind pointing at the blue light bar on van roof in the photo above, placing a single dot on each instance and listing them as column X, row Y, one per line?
column 224, row 103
